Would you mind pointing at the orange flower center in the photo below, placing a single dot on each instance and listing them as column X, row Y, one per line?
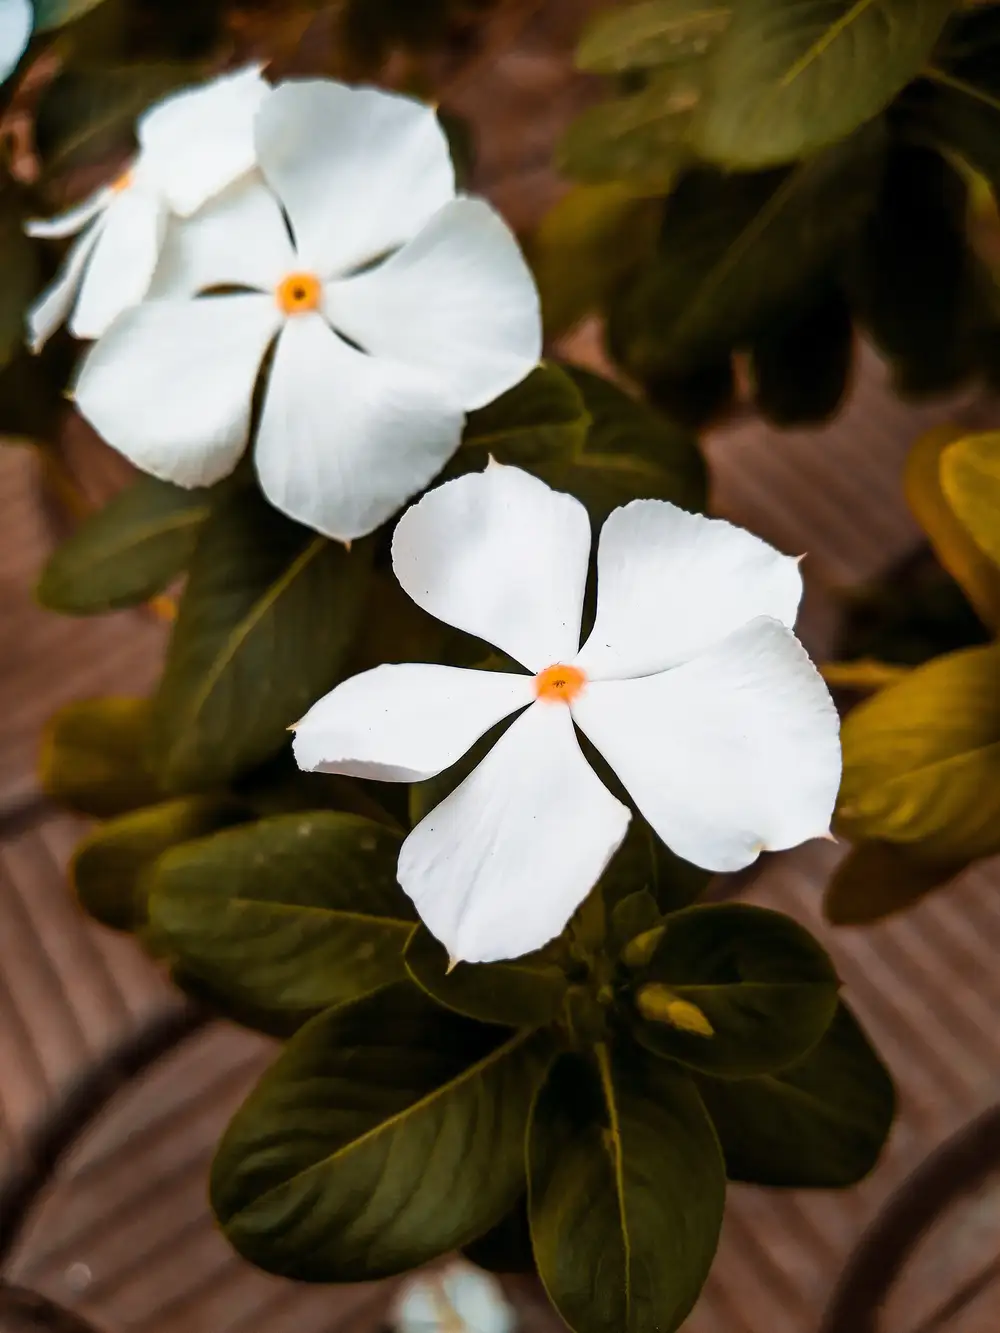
column 559, row 684
column 299, row 293
column 123, row 181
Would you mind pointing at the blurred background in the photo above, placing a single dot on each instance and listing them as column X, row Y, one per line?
column 113, row 1090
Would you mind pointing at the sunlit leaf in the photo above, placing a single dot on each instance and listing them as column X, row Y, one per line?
column 970, row 480
column 650, row 34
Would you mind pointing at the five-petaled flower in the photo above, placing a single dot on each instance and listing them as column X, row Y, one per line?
column 691, row 685
column 393, row 307
column 192, row 145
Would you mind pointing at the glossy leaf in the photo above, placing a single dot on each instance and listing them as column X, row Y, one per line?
column 541, row 418
column 626, row 1191
column 523, row 992
column 111, row 865
column 786, row 79
column 92, row 757
column 761, row 983
column 970, row 480
column 801, row 367
column 942, row 514
column 922, row 760
column 876, row 879
column 585, row 244
column 128, row 551
column 388, row 1132
column 820, row 1124
column 264, row 627
column 286, row 916
column 650, row 34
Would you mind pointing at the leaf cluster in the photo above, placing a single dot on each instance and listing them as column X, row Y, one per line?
column 767, row 178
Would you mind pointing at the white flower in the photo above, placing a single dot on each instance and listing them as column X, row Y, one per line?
column 691, row 685
column 377, row 358
column 192, row 145
column 16, row 21
column 455, row 1299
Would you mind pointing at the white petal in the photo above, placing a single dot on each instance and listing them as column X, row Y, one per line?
column 74, row 219
column 457, row 1299
column 122, row 264
column 458, row 301
column 500, row 555
column 52, row 307
column 734, row 753
column 670, row 584
column 345, row 439
column 358, row 170
column 170, row 384
column 16, row 19
column 405, row 722
column 238, row 240
column 199, row 140
column 498, row 868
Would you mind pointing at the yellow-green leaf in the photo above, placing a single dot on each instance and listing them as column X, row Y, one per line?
column 655, row 32
column 876, row 879
column 92, row 757
column 970, row 479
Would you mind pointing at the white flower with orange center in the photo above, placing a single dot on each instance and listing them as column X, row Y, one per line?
column 16, row 20
column 691, row 685
column 393, row 306
column 192, row 145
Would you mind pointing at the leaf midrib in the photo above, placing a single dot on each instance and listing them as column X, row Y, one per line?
column 146, row 532
column 614, row 1128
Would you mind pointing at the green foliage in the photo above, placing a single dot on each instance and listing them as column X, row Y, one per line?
column 626, row 1190
column 133, row 548
column 879, row 878
column 541, row 419
column 286, row 916
column 54, row 13
column 18, row 274
column 800, row 367
column 264, row 626
column 763, row 988
column 819, row 1124
column 970, row 480
column 389, row 1131
column 93, row 760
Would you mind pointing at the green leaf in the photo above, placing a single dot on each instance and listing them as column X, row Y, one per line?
column 819, row 1125
column 788, row 77
column 944, row 516
column 286, row 916
column 265, row 624
column 631, row 451
column 56, row 13
column 522, row 992
column 128, row 551
column 85, row 113
column 693, row 398
column 592, row 238
column 625, row 1193
column 922, row 760
column 388, row 1132
column 970, row 480
column 653, row 33
column 92, row 757
column 643, row 864
column 541, row 418
column 876, row 879
column 110, row 866
column 912, row 276
column 801, row 367
column 19, row 276
column 639, row 139
column 739, row 251
column 633, row 916
column 762, row 985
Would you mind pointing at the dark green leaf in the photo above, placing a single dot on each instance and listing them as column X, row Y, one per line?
column 640, row 139
column 697, row 397
column 289, row 915
column 765, row 987
column 388, row 1132
column 19, row 278
column 877, row 878
column 524, row 992
column 634, row 915
column 650, row 34
column 54, row 13
column 801, row 366
column 110, row 866
column 819, row 1125
column 134, row 547
column 540, row 419
column 626, row 1190
column 644, row 864
column 85, row 113
column 739, row 251
column 92, row 757
column 786, row 79
column 265, row 624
